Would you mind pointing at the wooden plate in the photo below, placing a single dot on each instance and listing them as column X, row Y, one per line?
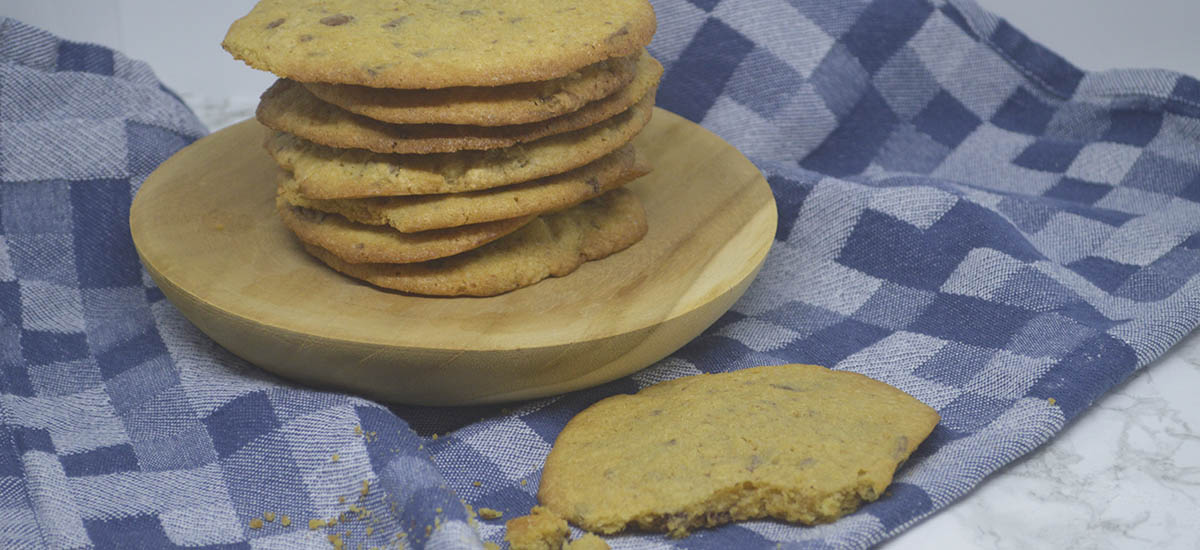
column 205, row 226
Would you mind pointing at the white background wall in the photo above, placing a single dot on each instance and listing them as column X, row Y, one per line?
column 182, row 39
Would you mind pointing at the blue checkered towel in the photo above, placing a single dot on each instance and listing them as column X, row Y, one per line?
column 963, row 214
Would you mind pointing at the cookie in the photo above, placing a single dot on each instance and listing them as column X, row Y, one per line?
column 357, row 243
column 328, row 173
column 551, row 245
column 413, row 44
column 799, row 443
column 483, row 106
column 540, row 530
column 415, row 213
column 289, row 107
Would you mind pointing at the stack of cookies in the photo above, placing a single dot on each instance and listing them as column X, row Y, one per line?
column 455, row 147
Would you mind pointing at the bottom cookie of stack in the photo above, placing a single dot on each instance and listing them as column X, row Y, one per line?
column 550, row 245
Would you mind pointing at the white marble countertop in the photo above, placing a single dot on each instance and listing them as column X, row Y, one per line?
column 1124, row 476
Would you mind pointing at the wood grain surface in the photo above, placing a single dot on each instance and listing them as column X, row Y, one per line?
column 205, row 227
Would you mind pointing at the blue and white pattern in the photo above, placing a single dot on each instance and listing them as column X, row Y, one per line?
column 963, row 214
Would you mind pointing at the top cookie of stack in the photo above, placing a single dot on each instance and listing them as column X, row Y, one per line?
column 414, row 134
column 410, row 44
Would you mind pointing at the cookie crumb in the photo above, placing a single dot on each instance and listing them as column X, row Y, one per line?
column 476, row 483
column 366, row 487
column 269, row 516
column 315, row 524
column 256, row 523
column 1051, row 400
column 285, row 521
column 489, row 513
column 334, row 458
column 336, row 541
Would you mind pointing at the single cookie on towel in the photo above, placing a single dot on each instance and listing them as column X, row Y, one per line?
column 416, row 44
column 328, row 173
column 289, row 107
column 799, row 443
column 358, row 243
column 415, row 213
column 551, row 245
column 484, row 106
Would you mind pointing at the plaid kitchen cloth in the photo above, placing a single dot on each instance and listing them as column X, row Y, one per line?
column 963, row 215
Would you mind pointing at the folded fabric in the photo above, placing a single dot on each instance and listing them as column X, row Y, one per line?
column 963, row 215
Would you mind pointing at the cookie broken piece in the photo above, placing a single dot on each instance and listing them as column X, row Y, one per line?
column 588, row 541
column 544, row 530
column 540, row 530
column 799, row 443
